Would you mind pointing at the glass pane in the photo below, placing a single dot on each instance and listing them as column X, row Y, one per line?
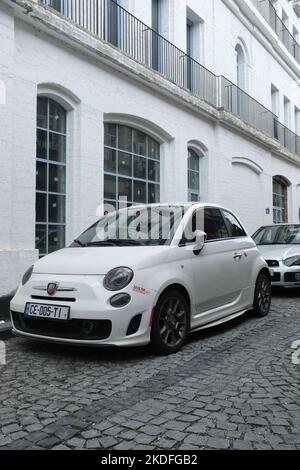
column 125, row 189
column 125, row 138
column 57, row 148
column 41, row 144
column 214, row 225
column 56, row 238
column 194, row 180
column 194, row 197
column 41, row 207
column 57, row 178
column 125, row 164
column 41, row 176
column 154, row 149
column 139, row 143
column 110, row 135
column 42, row 112
column 109, row 206
column 56, row 4
column 153, row 170
column 40, row 238
column 153, row 193
column 57, row 117
column 140, row 192
column 110, row 160
column 57, row 208
column 140, row 168
column 193, row 162
column 110, row 187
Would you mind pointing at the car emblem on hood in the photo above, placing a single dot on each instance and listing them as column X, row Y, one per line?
column 52, row 288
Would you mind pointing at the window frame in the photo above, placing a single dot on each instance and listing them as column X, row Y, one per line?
column 192, row 191
column 117, row 175
column 232, row 237
column 48, row 163
column 184, row 242
column 282, row 209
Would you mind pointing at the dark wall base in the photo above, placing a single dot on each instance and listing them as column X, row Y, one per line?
column 4, row 307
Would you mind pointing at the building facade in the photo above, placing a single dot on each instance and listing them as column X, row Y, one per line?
column 151, row 100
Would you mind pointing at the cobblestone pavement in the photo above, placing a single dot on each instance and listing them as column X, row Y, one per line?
column 234, row 387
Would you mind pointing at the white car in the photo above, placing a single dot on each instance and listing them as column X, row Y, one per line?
column 147, row 274
column 280, row 246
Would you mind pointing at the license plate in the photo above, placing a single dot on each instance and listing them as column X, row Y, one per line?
column 50, row 312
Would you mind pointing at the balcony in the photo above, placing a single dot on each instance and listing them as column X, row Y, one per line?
column 268, row 11
column 115, row 25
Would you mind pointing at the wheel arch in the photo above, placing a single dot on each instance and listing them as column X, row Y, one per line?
column 183, row 291
column 265, row 270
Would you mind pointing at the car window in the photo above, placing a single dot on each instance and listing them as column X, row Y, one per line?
column 278, row 235
column 234, row 227
column 214, row 225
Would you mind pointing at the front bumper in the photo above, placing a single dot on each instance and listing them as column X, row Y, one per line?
column 284, row 276
column 93, row 321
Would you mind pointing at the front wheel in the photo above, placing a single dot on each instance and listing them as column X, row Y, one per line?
column 171, row 323
column 263, row 295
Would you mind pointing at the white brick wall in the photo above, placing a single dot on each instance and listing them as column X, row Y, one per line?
column 30, row 58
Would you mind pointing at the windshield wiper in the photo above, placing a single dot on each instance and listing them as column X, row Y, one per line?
column 130, row 242
column 80, row 243
column 102, row 243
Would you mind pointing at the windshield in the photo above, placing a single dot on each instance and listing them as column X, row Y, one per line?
column 148, row 226
column 278, row 235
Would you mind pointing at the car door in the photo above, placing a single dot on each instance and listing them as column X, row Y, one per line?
column 215, row 273
column 244, row 254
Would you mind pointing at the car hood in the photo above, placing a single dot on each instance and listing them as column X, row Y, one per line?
column 279, row 252
column 100, row 260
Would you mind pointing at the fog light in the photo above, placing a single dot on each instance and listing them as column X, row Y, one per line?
column 120, row 300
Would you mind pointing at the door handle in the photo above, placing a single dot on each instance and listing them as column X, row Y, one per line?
column 238, row 256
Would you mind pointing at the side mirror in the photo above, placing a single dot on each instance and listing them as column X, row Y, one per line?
column 201, row 238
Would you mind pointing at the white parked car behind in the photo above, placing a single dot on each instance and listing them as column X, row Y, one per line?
column 280, row 246
column 148, row 274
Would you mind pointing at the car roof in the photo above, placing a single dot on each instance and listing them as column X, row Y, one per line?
column 279, row 225
column 182, row 204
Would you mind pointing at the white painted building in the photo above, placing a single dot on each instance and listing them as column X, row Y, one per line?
column 94, row 105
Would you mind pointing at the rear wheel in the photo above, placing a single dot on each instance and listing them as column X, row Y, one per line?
column 263, row 295
column 171, row 323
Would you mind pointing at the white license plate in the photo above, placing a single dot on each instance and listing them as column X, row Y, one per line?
column 50, row 312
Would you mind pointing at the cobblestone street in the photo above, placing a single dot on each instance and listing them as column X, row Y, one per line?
column 234, row 387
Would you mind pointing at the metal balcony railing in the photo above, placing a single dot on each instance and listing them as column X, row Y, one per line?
column 112, row 23
column 268, row 11
column 238, row 102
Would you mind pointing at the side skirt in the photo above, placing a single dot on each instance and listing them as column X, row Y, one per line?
column 220, row 321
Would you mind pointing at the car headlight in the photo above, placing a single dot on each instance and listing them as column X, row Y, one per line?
column 27, row 275
column 118, row 278
column 292, row 261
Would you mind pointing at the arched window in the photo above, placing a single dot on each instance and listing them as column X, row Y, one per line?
column 193, row 176
column 280, row 200
column 131, row 166
column 50, row 176
column 241, row 67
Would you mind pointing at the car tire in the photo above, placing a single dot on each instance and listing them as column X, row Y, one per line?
column 262, row 296
column 170, row 325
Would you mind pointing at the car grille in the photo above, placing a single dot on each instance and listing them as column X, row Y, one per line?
column 272, row 263
column 88, row 330
column 291, row 277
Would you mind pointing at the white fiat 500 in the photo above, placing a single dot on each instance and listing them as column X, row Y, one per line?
column 147, row 274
